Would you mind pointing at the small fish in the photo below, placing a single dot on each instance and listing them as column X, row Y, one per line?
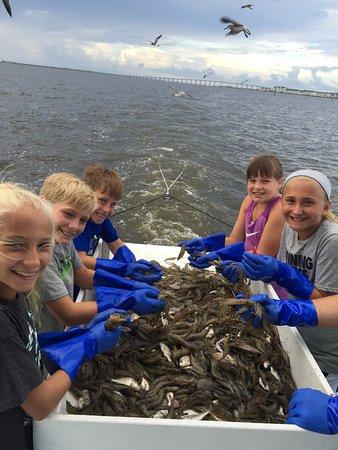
column 127, row 381
column 194, row 415
column 166, row 351
column 185, row 361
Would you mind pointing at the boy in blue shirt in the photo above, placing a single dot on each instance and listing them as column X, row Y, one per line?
column 108, row 189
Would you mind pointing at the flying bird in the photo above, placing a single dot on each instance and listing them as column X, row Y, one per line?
column 234, row 26
column 7, row 6
column 155, row 42
column 176, row 93
column 207, row 74
column 249, row 6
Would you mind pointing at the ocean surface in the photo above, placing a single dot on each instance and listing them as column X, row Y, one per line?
column 62, row 120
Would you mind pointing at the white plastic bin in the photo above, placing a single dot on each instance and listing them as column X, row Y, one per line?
column 66, row 432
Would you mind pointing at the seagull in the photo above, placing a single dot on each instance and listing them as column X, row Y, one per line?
column 155, row 42
column 249, row 6
column 207, row 74
column 234, row 26
column 176, row 93
column 7, row 6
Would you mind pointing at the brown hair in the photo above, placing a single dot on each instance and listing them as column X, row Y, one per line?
column 66, row 187
column 105, row 180
column 267, row 166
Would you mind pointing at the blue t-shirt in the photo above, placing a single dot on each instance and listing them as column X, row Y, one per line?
column 88, row 240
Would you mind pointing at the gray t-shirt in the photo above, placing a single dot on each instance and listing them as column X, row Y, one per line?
column 57, row 281
column 317, row 258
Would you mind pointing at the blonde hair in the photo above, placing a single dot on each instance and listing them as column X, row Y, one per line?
column 68, row 188
column 328, row 215
column 105, row 180
column 13, row 198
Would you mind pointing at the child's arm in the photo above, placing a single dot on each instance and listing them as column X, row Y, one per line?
column 90, row 261
column 70, row 313
column 238, row 232
column 44, row 398
column 83, row 277
column 270, row 239
column 114, row 246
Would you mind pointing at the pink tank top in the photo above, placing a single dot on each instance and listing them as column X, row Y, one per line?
column 254, row 228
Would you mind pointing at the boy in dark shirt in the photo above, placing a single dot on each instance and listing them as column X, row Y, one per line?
column 108, row 189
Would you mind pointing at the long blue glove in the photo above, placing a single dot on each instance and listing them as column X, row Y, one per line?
column 105, row 278
column 230, row 270
column 283, row 312
column 314, row 411
column 123, row 254
column 142, row 301
column 267, row 268
column 233, row 252
column 208, row 243
column 68, row 350
column 104, row 315
column 141, row 270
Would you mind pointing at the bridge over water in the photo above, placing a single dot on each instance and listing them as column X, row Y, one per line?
column 203, row 82
column 199, row 82
column 242, row 85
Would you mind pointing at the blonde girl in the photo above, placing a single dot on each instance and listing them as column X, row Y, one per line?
column 26, row 238
column 307, row 261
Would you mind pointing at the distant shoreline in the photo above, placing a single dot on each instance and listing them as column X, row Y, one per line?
column 200, row 82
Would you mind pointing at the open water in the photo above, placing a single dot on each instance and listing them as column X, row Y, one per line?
column 62, row 120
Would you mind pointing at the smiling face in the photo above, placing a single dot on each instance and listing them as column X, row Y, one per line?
column 263, row 189
column 106, row 206
column 25, row 250
column 69, row 222
column 303, row 205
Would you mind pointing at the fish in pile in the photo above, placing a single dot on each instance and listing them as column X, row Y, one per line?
column 195, row 360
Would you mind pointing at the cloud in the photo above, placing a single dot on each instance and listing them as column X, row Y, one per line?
column 81, row 34
column 305, row 76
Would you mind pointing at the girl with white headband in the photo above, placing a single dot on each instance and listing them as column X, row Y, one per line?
column 307, row 261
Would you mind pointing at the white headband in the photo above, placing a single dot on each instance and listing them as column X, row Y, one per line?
column 315, row 175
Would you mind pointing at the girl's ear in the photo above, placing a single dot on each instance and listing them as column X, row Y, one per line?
column 327, row 206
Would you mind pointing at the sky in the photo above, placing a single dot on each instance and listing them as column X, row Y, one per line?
column 293, row 43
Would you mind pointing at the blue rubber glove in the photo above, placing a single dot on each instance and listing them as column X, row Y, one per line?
column 135, row 270
column 231, row 252
column 123, row 254
column 230, row 270
column 208, row 243
column 267, row 269
column 142, row 301
column 314, row 411
column 105, row 278
column 104, row 315
column 283, row 312
column 68, row 350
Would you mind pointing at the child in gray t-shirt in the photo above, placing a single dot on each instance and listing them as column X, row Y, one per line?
column 317, row 258
column 58, row 281
column 72, row 203
column 309, row 247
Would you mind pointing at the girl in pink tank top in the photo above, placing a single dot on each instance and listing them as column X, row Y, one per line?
column 260, row 220
column 254, row 228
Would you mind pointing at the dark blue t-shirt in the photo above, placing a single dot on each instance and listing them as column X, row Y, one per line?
column 88, row 240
